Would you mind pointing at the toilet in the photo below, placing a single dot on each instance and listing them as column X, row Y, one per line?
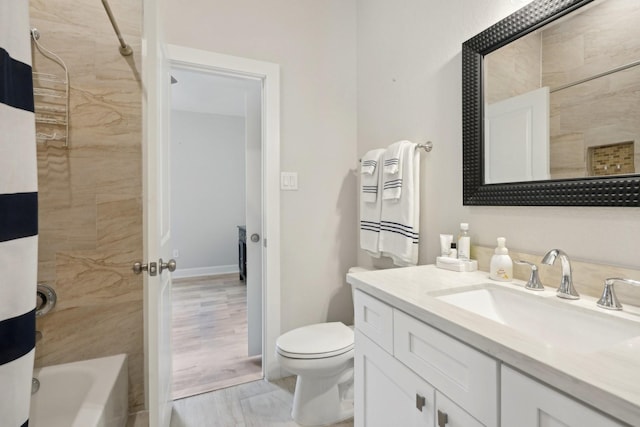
column 321, row 355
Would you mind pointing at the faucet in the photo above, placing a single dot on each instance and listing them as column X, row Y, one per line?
column 609, row 300
column 566, row 289
column 534, row 283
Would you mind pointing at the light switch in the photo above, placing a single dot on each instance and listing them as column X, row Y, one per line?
column 288, row 181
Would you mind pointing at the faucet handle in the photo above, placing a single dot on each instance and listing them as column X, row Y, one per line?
column 609, row 300
column 534, row 283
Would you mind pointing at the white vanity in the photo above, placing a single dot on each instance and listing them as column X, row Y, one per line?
column 425, row 355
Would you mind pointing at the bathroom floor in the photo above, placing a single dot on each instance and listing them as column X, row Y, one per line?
column 257, row 403
column 210, row 335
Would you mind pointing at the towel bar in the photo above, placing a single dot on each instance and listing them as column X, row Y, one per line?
column 427, row 146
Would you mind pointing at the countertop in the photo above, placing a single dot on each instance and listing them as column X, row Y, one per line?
column 608, row 380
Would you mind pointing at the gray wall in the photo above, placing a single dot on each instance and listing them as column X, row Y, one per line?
column 409, row 86
column 314, row 42
column 207, row 190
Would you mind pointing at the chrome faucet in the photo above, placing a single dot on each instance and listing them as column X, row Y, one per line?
column 566, row 289
column 609, row 300
column 534, row 283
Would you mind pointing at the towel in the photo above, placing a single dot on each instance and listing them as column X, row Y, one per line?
column 400, row 218
column 393, row 158
column 369, row 175
column 370, row 211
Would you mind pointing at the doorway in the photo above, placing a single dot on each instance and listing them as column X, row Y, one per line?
column 216, row 181
column 266, row 76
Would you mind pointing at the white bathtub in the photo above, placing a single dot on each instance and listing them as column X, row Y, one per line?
column 90, row 393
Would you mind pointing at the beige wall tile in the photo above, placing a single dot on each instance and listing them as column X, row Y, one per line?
column 90, row 209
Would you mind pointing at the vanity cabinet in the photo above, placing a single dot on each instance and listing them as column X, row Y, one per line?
column 407, row 373
column 528, row 403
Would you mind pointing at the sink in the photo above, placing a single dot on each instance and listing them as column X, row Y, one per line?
column 556, row 323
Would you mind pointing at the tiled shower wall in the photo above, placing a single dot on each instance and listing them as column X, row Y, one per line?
column 90, row 212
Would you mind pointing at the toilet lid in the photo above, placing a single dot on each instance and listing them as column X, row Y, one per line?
column 316, row 341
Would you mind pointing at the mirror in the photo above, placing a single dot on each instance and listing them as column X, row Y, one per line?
column 551, row 106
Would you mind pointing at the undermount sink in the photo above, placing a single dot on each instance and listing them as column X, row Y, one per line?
column 556, row 323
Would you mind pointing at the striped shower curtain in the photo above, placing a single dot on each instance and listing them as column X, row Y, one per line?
column 18, row 215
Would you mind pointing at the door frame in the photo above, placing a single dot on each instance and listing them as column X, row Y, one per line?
column 269, row 74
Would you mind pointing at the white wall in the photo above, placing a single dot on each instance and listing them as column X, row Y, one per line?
column 207, row 190
column 315, row 44
column 409, row 86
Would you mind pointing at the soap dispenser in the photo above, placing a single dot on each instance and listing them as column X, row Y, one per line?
column 501, row 265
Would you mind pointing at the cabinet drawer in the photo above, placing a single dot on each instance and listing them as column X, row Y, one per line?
column 465, row 375
column 374, row 319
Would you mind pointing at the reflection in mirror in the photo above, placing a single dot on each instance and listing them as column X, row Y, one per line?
column 563, row 101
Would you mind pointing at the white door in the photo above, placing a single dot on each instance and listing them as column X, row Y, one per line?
column 387, row 393
column 516, row 143
column 254, row 203
column 156, row 220
column 528, row 403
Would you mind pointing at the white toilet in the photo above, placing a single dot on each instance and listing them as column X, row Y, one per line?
column 321, row 355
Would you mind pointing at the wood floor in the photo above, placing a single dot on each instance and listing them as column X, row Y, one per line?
column 210, row 335
column 254, row 404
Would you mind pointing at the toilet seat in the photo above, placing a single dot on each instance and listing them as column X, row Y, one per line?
column 318, row 341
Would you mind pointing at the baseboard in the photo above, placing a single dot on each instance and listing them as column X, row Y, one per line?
column 184, row 273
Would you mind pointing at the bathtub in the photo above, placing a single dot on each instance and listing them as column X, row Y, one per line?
column 89, row 393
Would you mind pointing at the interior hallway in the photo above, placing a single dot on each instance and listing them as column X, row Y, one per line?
column 210, row 335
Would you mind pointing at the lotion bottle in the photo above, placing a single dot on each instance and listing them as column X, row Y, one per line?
column 464, row 242
column 501, row 265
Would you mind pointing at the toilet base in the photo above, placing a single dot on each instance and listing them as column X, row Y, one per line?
column 323, row 401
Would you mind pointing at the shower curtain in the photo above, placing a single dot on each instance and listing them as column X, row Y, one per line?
column 18, row 215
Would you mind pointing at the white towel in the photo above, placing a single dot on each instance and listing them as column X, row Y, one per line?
column 370, row 215
column 393, row 158
column 369, row 175
column 370, row 161
column 400, row 218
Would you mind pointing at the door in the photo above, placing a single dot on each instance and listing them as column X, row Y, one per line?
column 156, row 220
column 517, row 138
column 387, row 393
column 254, row 203
column 528, row 403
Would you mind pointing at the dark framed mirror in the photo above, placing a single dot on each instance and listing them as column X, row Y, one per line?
column 599, row 186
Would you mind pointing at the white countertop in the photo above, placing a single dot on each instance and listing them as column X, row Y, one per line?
column 608, row 380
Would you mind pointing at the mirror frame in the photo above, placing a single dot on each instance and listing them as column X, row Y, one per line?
column 623, row 190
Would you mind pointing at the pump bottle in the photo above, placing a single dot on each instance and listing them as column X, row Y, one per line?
column 501, row 265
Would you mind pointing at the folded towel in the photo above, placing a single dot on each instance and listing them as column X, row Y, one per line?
column 400, row 218
column 392, row 183
column 392, row 157
column 369, row 181
column 370, row 160
column 370, row 212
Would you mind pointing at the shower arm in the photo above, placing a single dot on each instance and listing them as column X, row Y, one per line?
column 125, row 49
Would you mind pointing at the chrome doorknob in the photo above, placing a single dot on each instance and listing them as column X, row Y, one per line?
column 139, row 267
column 255, row 237
column 169, row 265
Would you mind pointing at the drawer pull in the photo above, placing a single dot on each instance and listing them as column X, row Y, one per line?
column 443, row 418
column 421, row 401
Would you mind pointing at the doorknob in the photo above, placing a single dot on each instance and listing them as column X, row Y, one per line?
column 139, row 267
column 169, row 265
column 255, row 237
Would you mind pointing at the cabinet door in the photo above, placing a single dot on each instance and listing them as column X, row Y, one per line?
column 528, row 403
column 387, row 393
column 448, row 414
